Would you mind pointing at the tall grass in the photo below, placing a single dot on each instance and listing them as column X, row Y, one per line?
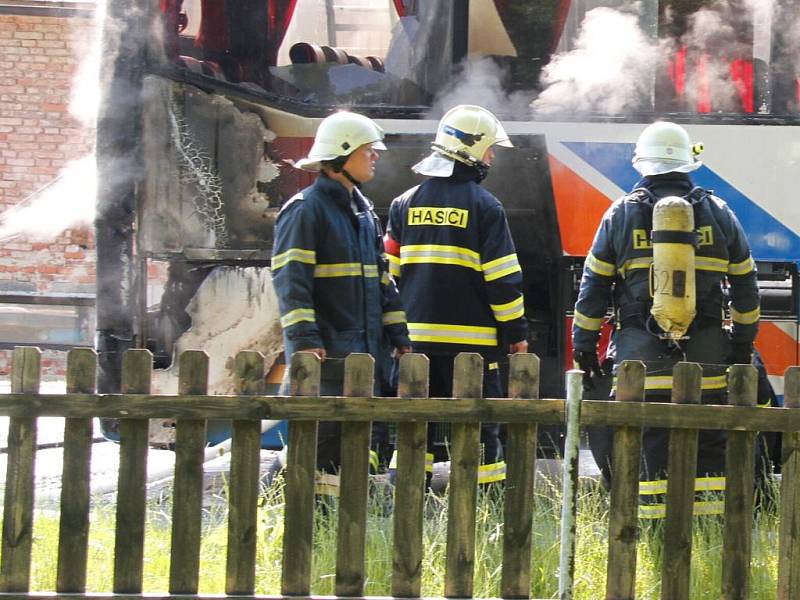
column 590, row 568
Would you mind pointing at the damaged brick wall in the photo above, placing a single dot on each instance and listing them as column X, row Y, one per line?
column 39, row 57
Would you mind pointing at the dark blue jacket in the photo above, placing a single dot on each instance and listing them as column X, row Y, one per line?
column 622, row 254
column 451, row 251
column 333, row 286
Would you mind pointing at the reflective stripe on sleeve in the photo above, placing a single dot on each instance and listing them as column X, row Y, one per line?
column 707, row 263
column 510, row 310
column 440, row 255
column 308, row 257
column 500, row 267
column 394, row 317
column 394, row 264
column 635, row 263
column 746, row 318
column 338, row 270
column 588, row 323
column 742, row 268
column 297, row 315
column 600, row 267
column 452, row 334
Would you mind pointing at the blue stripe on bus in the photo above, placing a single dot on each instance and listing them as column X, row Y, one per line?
column 769, row 238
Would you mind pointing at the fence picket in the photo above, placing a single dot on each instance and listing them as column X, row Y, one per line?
column 460, row 559
column 623, row 522
column 739, row 485
column 187, row 497
column 409, row 491
column 240, row 567
column 523, row 382
column 298, row 530
column 789, row 537
column 137, row 368
column 73, row 532
column 15, row 564
column 352, row 531
column 681, row 468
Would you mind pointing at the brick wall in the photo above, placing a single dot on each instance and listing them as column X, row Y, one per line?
column 39, row 57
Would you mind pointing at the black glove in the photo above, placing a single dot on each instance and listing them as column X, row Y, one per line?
column 588, row 363
column 741, row 354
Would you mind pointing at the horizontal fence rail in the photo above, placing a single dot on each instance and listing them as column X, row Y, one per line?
column 684, row 416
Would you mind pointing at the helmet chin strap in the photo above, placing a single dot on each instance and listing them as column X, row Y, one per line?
column 481, row 167
column 350, row 178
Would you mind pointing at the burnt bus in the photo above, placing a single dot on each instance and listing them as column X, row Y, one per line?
column 207, row 103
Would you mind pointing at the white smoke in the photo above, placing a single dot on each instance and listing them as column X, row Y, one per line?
column 480, row 82
column 609, row 71
column 68, row 201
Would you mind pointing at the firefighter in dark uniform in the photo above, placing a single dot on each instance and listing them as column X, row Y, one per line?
column 334, row 290
column 620, row 267
column 451, row 252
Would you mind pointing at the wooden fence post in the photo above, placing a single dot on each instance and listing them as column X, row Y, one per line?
column 409, row 494
column 240, row 565
column 15, row 566
column 137, row 368
column 789, row 539
column 298, row 529
column 523, row 382
column 464, row 464
column 682, row 470
column 623, row 521
column 739, row 485
column 73, row 531
column 187, row 496
column 351, row 539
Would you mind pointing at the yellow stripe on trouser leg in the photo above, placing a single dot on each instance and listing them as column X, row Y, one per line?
column 492, row 472
column 428, row 462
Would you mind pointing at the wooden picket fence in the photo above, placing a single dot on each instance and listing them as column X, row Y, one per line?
column 523, row 410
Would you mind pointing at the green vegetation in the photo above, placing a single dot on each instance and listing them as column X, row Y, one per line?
column 590, row 567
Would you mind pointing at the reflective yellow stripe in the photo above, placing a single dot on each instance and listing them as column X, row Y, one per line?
column 452, row 334
column 707, row 263
column 394, row 265
column 326, row 484
column 370, row 270
column 428, row 462
column 296, row 254
column 659, row 511
column 709, row 484
column 600, row 267
column 297, row 315
column 440, row 255
column 500, row 267
column 635, row 263
column 701, row 484
column 649, row 488
column 510, row 310
column 588, row 323
column 394, row 317
column 493, row 366
column 664, row 382
column 492, row 472
column 746, row 318
column 742, row 268
column 338, row 270
column 385, row 279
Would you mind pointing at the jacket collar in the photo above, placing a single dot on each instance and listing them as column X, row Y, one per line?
column 339, row 194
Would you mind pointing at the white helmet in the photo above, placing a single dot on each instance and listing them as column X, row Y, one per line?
column 339, row 135
column 665, row 147
column 466, row 132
